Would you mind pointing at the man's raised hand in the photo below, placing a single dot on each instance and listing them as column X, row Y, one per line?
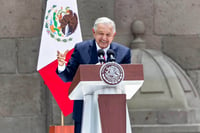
column 61, row 57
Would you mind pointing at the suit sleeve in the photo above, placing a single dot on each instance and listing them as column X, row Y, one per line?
column 127, row 57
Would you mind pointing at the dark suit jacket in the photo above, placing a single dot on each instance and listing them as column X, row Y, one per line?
column 86, row 53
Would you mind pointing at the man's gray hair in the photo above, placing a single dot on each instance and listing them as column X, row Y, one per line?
column 104, row 20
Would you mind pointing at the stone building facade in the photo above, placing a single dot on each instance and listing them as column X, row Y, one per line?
column 27, row 106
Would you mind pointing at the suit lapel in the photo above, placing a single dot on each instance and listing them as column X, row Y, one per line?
column 92, row 51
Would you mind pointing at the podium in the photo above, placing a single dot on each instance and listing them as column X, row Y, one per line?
column 105, row 108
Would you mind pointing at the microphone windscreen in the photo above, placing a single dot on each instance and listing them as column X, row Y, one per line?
column 110, row 52
column 100, row 52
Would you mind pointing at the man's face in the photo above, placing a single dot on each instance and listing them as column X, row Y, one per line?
column 104, row 35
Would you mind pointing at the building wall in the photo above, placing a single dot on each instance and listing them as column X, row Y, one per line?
column 172, row 26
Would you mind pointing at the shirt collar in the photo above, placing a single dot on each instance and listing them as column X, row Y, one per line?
column 105, row 49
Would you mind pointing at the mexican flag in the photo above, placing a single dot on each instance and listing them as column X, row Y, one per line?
column 61, row 31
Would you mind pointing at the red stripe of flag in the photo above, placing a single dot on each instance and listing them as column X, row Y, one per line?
column 58, row 88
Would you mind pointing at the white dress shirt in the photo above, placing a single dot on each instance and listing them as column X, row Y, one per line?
column 105, row 50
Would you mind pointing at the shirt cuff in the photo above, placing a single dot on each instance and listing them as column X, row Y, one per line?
column 61, row 68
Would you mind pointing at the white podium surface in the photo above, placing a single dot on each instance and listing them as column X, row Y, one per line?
column 88, row 88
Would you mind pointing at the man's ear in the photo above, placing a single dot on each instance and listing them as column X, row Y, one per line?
column 93, row 31
column 115, row 34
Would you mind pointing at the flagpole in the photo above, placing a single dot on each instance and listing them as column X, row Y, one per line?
column 62, row 119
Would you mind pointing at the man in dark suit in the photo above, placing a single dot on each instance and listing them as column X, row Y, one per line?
column 104, row 31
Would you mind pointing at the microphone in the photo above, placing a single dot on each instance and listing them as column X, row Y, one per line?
column 101, row 54
column 111, row 55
